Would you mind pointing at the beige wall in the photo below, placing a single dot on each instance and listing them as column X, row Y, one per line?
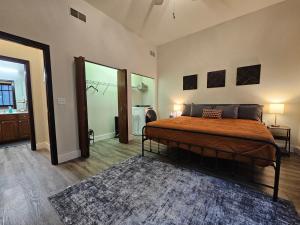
column 35, row 57
column 101, row 39
column 270, row 37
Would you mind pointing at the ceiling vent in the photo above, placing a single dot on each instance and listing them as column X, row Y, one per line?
column 77, row 15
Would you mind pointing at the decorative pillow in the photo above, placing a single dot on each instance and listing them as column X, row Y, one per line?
column 197, row 109
column 186, row 110
column 212, row 113
column 250, row 112
column 229, row 111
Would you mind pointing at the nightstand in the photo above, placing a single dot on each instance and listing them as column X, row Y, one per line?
column 282, row 133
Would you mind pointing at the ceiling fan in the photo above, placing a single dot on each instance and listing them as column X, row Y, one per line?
column 160, row 2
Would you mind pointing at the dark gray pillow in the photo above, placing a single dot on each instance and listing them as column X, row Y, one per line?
column 197, row 109
column 229, row 111
column 186, row 110
column 250, row 112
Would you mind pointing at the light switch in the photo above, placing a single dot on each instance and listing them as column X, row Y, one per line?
column 61, row 101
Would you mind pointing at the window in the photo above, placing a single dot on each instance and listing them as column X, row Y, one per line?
column 7, row 94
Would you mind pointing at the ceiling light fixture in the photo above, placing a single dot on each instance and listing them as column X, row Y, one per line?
column 8, row 70
column 160, row 2
column 174, row 16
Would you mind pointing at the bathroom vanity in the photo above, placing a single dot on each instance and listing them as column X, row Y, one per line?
column 14, row 127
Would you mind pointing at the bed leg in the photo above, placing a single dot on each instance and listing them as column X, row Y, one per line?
column 143, row 142
column 277, row 175
column 217, row 161
column 167, row 148
column 143, row 147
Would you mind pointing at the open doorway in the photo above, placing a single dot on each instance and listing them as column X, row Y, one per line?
column 143, row 102
column 102, row 103
column 16, row 108
column 27, row 94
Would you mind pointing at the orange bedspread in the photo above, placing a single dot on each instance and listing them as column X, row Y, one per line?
column 203, row 132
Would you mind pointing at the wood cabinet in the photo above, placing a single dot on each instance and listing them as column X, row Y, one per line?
column 14, row 127
column 24, row 129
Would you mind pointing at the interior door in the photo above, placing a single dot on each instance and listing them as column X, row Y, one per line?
column 123, row 106
column 84, row 142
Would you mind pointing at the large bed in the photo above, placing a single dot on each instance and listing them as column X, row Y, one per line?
column 242, row 140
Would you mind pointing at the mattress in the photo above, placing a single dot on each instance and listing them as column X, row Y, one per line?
column 235, row 139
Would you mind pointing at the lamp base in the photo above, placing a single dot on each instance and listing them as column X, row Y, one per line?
column 275, row 125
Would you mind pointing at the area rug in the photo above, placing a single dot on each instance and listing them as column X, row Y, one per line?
column 148, row 191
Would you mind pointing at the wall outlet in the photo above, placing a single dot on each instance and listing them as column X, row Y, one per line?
column 61, row 101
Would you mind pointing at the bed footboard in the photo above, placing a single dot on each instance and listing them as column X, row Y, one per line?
column 275, row 163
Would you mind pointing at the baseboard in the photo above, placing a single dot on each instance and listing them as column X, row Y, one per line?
column 43, row 145
column 296, row 149
column 68, row 156
column 104, row 136
column 131, row 137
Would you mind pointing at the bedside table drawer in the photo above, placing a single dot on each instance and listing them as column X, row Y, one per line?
column 279, row 137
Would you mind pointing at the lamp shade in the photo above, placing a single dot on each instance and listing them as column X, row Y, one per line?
column 177, row 107
column 276, row 108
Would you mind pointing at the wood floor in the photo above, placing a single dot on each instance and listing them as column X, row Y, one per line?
column 27, row 178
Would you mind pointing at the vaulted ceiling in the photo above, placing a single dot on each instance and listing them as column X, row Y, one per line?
column 156, row 23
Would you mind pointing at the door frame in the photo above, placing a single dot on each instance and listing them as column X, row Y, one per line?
column 123, row 104
column 80, row 76
column 49, row 87
column 26, row 64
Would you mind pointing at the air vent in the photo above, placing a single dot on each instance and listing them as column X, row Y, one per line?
column 77, row 15
column 152, row 53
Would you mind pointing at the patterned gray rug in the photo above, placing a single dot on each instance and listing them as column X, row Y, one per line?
column 152, row 192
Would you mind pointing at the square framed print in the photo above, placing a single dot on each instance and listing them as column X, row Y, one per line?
column 190, row 82
column 216, row 79
column 248, row 75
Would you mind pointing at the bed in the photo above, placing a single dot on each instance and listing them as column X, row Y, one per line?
column 238, row 139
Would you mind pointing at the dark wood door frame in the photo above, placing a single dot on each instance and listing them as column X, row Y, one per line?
column 26, row 64
column 82, row 113
column 123, row 106
column 82, row 104
column 49, row 89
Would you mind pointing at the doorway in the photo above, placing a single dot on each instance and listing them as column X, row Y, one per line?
column 102, row 103
column 46, row 65
column 102, row 98
column 143, row 102
column 16, row 108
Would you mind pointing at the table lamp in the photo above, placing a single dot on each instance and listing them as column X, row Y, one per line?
column 276, row 109
column 177, row 109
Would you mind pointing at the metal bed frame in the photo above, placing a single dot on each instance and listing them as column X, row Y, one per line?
column 275, row 163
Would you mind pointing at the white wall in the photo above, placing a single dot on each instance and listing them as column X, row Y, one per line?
column 20, row 91
column 270, row 37
column 139, row 97
column 35, row 58
column 149, row 95
column 101, row 40
column 102, row 105
column 136, row 95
